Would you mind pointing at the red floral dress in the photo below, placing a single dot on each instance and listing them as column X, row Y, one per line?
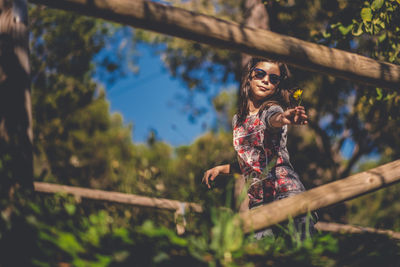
column 264, row 159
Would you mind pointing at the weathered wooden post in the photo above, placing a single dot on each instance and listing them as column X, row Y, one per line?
column 16, row 166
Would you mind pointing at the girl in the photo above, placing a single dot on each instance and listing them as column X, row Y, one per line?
column 259, row 138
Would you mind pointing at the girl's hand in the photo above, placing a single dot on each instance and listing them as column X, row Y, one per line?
column 295, row 115
column 211, row 174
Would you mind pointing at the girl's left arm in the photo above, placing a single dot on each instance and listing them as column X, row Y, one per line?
column 211, row 174
column 295, row 115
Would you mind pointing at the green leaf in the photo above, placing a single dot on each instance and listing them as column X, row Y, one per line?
column 345, row 30
column 368, row 28
column 70, row 208
column 379, row 92
column 366, row 14
column 359, row 30
column 233, row 235
column 150, row 230
column 123, row 234
column 326, row 34
column 379, row 22
column 390, row 96
column 377, row 4
column 68, row 243
column 382, row 37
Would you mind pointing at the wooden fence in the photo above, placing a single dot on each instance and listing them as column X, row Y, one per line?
column 116, row 197
column 270, row 214
column 353, row 229
column 229, row 35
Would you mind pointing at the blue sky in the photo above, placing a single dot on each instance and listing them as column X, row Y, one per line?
column 149, row 100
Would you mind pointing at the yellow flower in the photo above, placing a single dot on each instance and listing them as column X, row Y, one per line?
column 297, row 94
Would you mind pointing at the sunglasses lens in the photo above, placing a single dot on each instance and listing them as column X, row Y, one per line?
column 274, row 79
column 260, row 74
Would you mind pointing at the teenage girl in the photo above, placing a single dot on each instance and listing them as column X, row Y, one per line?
column 260, row 135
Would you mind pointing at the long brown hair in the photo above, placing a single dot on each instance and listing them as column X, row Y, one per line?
column 281, row 96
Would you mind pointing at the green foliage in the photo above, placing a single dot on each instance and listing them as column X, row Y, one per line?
column 377, row 34
column 377, row 19
column 77, row 140
column 46, row 231
column 64, row 95
column 226, row 232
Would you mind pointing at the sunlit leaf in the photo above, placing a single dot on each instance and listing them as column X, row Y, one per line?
column 359, row 30
column 366, row 14
column 345, row 29
column 379, row 92
column 382, row 37
column 70, row 208
column 377, row 4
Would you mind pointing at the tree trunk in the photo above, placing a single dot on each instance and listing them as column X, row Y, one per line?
column 16, row 161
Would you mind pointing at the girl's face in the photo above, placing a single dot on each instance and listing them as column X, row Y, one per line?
column 264, row 81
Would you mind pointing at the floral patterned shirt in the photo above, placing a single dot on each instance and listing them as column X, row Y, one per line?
column 264, row 159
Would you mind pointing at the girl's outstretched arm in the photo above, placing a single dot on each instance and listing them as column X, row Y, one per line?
column 212, row 173
column 295, row 115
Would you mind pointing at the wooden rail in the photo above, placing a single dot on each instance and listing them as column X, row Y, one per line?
column 322, row 196
column 177, row 206
column 229, row 35
column 116, row 197
column 353, row 229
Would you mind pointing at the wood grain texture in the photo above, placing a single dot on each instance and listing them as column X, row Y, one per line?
column 116, row 197
column 229, row 35
column 320, row 197
column 353, row 229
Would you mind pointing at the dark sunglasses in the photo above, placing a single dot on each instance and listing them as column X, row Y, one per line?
column 260, row 74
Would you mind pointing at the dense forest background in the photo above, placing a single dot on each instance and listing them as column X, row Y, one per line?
column 79, row 142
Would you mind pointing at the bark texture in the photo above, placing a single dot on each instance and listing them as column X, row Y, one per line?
column 16, row 164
